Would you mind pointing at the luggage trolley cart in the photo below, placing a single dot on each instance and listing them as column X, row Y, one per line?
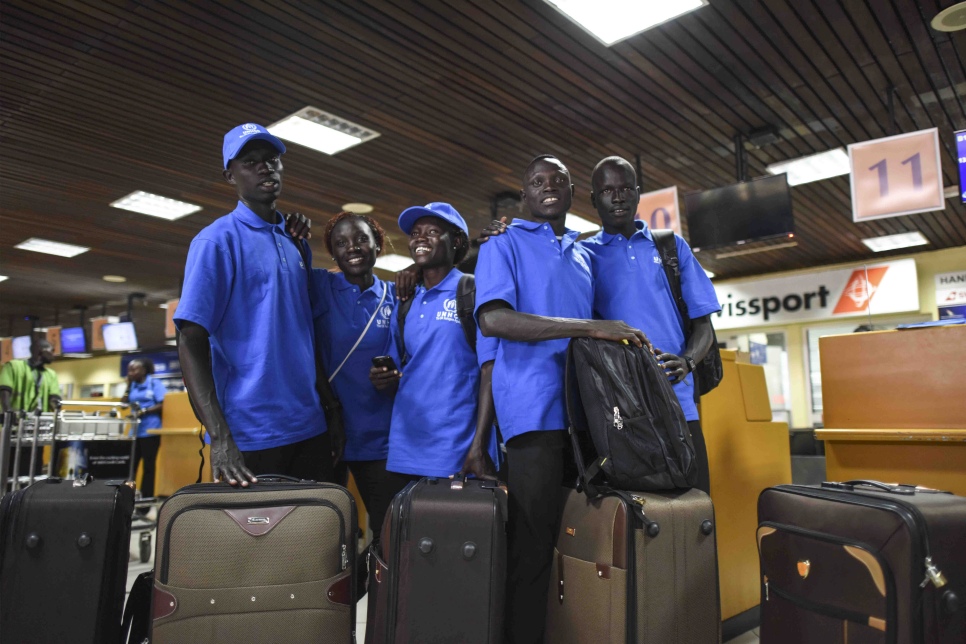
column 22, row 432
column 90, row 424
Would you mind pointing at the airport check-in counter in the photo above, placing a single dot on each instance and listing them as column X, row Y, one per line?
column 895, row 406
column 747, row 453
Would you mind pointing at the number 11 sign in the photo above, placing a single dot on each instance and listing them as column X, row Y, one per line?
column 897, row 175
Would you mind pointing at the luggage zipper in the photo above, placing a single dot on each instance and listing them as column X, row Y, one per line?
column 618, row 421
column 833, row 612
column 166, row 548
column 821, row 536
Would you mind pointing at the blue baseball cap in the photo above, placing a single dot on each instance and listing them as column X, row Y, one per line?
column 239, row 137
column 438, row 209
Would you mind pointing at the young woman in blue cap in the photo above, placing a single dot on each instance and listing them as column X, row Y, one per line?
column 439, row 399
column 352, row 314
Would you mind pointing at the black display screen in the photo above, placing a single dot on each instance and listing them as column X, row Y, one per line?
column 743, row 212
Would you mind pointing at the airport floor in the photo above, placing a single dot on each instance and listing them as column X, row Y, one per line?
column 135, row 568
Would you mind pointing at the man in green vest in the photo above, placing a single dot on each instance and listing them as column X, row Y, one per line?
column 27, row 384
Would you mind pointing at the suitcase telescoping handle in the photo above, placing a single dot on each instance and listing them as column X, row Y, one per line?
column 901, row 488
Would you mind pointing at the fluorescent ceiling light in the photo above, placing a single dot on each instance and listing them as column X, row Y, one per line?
column 77, row 355
column 357, row 208
column 613, row 20
column 51, row 247
column 393, row 263
column 321, row 131
column 816, row 167
column 580, row 224
column 708, row 273
column 3, row 278
column 171, row 343
column 115, row 279
column 155, row 205
column 892, row 242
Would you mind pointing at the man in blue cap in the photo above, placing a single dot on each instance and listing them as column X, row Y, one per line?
column 247, row 346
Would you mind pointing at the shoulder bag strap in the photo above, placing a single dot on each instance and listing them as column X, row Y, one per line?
column 382, row 299
column 465, row 303
column 668, row 249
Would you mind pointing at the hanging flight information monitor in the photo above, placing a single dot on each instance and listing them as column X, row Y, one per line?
column 895, row 176
column 961, row 162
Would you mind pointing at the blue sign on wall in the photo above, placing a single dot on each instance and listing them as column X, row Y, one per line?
column 961, row 157
column 955, row 311
column 166, row 363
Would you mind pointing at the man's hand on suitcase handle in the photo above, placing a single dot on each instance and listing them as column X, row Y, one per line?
column 227, row 463
column 479, row 464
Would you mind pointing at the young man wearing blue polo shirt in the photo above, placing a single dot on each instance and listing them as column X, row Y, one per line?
column 630, row 284
column 534, row 291
column 245, row 301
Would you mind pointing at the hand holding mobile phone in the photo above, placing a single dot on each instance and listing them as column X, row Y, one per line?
column 384, row 362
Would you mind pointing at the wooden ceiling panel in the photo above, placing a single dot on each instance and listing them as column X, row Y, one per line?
column 98, row 99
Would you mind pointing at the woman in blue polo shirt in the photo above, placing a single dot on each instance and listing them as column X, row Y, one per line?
column 434, row 416
column 352, row 310
column 148, row 393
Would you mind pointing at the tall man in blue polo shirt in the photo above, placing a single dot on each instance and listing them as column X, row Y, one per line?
column 534, row 291
column 630, row 284
column 245, row 301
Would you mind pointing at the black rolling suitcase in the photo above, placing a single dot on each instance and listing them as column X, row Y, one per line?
column 441, row 572
column 64, row 548
column 862, row 562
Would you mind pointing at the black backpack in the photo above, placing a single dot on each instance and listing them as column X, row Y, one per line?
column 708, row 372
column 465, row 303
column 619, row 395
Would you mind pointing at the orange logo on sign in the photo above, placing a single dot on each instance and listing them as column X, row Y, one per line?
column 860, row 289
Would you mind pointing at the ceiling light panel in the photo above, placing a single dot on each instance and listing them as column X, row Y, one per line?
column 611, row 21
column 824, row 165
column 51, row 247
column 3, row 278
column 393, row 263
column 580, row 224
column 147, row 203
column 320, row 130
column 893, row 242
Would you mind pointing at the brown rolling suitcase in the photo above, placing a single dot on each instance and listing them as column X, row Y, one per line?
column 618, row 578
column 862, row 562
column 441, row 574
column 272, row 563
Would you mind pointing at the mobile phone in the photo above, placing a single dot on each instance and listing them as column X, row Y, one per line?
column 384, row 361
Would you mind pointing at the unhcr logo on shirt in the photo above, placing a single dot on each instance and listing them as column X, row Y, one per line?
column 382, row 320
column 448, row 312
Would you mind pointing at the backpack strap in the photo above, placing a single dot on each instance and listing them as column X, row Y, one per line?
column 667, row 248
column 465, row 305
column 401, row 312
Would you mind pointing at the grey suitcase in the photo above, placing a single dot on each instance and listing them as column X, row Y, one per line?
column 617, row 578
column 273, row 563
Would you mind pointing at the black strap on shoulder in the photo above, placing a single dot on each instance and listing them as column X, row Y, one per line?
column 465, row 304
column 668, row 249
column 401, row 312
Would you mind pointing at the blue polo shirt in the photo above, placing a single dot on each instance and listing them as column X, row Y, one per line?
column 630, row 285
column 530, row 270
column 434, row 414
column 341, row 313
column 147, row 394
column 246, row 284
